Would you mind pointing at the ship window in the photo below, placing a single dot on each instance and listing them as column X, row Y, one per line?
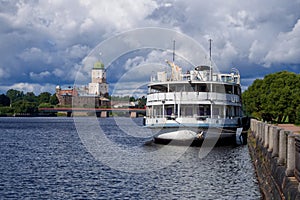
column 172, row 88
column 189, row 111
column 228, row 89
column 237, row 90
column 216, row 111
column 201, row 88
column 179, row 88
column 219, row 88
column 157, row 89
column 190, row 88
column 204, row 110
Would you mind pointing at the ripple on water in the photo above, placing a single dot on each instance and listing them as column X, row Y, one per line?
column 44, row 158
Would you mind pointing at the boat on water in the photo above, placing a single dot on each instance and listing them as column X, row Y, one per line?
column 186, row 108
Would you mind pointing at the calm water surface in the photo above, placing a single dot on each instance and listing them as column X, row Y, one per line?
column 44, row 158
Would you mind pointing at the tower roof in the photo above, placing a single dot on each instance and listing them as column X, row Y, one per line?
column 98, row 65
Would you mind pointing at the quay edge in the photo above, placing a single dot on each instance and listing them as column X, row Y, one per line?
column 277, row 173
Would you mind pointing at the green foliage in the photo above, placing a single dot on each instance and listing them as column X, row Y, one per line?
column 46, row 105
column 297, row 121
column 14, row 95
column 53, row 100
column 275, row 98
column 44, row 97
column 30, row 97
column 25, row 103
column 142, row 102
column 4, row 100
column 6, row 110
column 25, row 107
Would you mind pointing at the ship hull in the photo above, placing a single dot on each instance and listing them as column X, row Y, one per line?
column 195, row 136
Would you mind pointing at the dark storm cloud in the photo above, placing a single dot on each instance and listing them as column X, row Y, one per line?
column 44, row 42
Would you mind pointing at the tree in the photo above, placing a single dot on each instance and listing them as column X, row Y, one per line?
column 4, row 100
column 30, row 96
column 142, row 102
column 53, row 100
column 14, row 95
column 297, row 120
column 44, row 97
column 275, row 98
column 25, row 107
column 45, row 105
column 132, row 99
column 6, row 110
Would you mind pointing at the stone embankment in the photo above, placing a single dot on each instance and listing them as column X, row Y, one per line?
column 275, row 152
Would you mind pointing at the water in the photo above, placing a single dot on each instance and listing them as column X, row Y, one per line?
column 44, row 158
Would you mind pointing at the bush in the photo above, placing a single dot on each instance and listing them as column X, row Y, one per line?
column 46, row 105
column 297, row 120
column 6, row 110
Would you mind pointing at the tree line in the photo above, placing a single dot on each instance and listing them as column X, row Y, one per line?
column 15, row 101
column 275, row 98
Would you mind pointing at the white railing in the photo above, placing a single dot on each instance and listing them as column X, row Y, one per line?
column 181, row 97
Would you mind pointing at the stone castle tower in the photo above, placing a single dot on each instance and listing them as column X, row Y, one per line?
column 98, row 86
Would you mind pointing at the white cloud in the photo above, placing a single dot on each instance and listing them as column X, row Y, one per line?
column 3, row 73
column 227, row 55
column 133, row 62
column 58, row 72
column 39, row 76
column 77, row 51
column 54, row 36
column 286, row 48
column 30, row 87
column 36, row 55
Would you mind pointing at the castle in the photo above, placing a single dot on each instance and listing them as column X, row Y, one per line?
column 95, row 95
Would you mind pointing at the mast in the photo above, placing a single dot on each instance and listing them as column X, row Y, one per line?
column 173, row 51
column 210, row 49
column 210, row 74
column 210, row 62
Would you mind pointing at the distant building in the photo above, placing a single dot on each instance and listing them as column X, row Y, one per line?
column 95, row 95
column 98, row 86
column 65, row 96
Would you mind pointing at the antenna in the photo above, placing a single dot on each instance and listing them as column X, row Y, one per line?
column 173, row 51
column 210, row 40
column 210, row 67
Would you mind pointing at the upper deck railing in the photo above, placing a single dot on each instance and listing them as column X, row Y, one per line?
column 203, row 73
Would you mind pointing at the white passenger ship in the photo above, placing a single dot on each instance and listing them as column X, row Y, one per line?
column 195, row 105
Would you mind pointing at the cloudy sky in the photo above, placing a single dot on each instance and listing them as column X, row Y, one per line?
column 44, row 43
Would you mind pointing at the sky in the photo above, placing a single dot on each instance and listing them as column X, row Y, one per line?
column 44, row 43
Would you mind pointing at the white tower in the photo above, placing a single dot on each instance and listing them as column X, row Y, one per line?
column 98, row 86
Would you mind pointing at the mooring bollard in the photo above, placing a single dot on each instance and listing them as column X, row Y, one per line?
column 270, row 149
column 297, row 158
column 266, row 144
column 261, row 130
column 258, row 130
column 290, row 163
column 282, row 147
column 276, row 131
column 252, row 126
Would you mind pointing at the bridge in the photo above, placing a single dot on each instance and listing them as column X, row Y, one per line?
column 100, row 112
